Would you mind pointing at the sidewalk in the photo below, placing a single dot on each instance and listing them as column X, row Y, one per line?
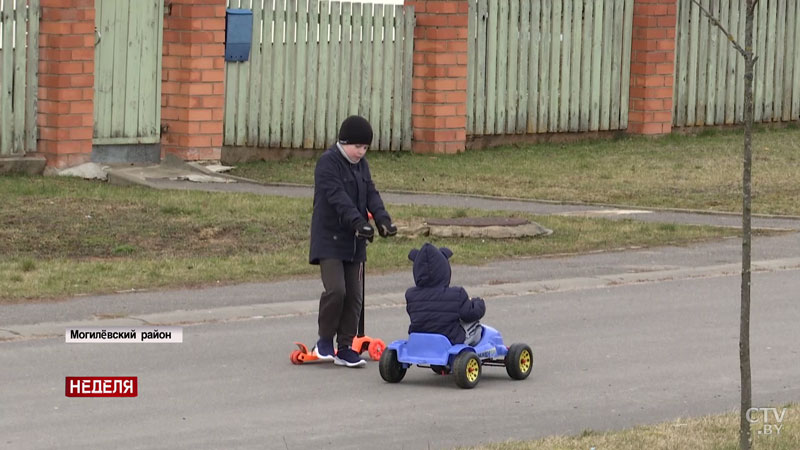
column 176, row 175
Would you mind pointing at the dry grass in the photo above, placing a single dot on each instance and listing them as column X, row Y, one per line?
column 698, row 172
column 719, row 432
column 64, row 237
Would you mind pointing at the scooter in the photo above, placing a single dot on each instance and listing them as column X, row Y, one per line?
column 361, row 342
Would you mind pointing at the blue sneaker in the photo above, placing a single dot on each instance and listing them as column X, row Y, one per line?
column 324, row 349
column 348, row 357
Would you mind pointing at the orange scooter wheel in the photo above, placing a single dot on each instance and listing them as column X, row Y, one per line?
column 375, row 349
column 295, row 357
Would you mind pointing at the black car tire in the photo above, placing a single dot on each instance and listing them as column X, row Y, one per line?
column 391, row 370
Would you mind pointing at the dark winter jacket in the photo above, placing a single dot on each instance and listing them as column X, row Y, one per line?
column 343, row 193
column 434, row 306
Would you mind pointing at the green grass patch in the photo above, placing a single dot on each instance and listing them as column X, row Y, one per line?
column 27, row 265
column 718, row 432
column 698, row 172
column 123, row 249
column 63, row 237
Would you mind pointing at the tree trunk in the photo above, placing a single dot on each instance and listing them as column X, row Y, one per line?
column 745, row 436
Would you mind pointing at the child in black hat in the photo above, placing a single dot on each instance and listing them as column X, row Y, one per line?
column 343, row 195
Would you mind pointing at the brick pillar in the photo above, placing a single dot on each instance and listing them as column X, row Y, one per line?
column 439, row 87
column 66, row 82
column 652, row 66
column 193, row 79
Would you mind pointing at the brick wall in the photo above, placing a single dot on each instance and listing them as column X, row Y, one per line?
column 439, row 86
column 652, row 66
column 193, row 79
column 66, row 81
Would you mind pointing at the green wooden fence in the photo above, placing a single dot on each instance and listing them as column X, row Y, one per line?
column 19, row 60
column 541, row 66
column 314, row 63
column 709, row 75
column 127, row 71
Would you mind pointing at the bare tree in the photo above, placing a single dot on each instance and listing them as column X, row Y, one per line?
column 745, row 437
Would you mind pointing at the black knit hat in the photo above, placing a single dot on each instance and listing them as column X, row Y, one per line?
column 355, row 130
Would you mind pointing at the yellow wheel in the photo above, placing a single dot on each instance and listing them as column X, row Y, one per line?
column 519, row 361
column 467, row 369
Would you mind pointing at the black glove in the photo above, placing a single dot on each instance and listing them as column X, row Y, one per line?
column 365, row 231
column 386, row 228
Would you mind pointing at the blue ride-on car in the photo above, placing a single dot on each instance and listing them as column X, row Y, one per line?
column 464, row 361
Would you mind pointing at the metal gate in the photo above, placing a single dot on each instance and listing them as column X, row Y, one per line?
column 127, row 71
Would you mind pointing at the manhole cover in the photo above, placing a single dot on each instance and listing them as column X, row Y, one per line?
column 479, row 222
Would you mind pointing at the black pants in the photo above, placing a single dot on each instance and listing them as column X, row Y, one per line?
column 340, row 304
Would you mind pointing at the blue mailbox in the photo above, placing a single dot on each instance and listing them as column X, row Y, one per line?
column 238, row 34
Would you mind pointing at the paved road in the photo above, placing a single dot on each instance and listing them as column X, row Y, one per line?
column 620, row 338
